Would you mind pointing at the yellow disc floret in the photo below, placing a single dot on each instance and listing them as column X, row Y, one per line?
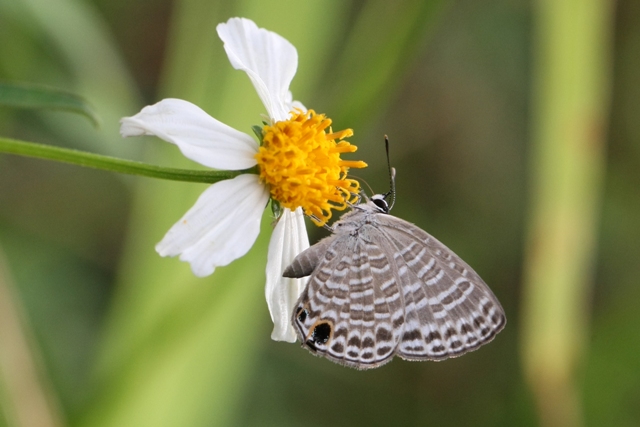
column 300, row 162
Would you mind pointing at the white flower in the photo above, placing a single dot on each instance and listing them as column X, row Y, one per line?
column 225, row 221
column 299, row 163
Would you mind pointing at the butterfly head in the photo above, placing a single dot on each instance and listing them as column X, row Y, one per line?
column 380, row 202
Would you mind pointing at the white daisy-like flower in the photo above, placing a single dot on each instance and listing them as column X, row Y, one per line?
column 298, row 161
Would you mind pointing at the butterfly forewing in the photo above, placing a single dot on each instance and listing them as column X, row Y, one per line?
column 381, row 286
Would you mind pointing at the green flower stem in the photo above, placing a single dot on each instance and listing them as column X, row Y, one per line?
column 98, row 161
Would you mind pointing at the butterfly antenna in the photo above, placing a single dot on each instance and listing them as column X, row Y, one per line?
column 370, row 189
column 392, row 176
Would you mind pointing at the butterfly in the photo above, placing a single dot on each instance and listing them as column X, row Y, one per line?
column 381, row 286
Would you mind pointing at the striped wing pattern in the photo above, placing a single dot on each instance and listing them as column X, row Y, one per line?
column 390, row 288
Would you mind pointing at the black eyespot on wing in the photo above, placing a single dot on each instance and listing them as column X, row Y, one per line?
column 321, row 333
column 302, row 315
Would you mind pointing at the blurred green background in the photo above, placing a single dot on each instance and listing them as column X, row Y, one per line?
column 514, row 128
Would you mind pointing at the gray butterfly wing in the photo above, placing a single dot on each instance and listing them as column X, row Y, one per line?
column 351, row 310
column 388, row 289
column 449, row 309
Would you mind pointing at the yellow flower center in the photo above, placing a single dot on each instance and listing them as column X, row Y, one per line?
column 301, row 164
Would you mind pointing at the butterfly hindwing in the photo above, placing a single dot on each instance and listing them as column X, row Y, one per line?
column 346, row 312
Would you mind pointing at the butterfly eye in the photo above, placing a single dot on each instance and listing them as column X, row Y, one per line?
column 321, row 333
column 380, row 203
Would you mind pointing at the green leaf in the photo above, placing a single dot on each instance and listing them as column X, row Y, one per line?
column 27, row 95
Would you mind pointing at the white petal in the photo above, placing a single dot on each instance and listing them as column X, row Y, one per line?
column 269, row 60
column 199, row 136
column 221, row 227
column 289, row 238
